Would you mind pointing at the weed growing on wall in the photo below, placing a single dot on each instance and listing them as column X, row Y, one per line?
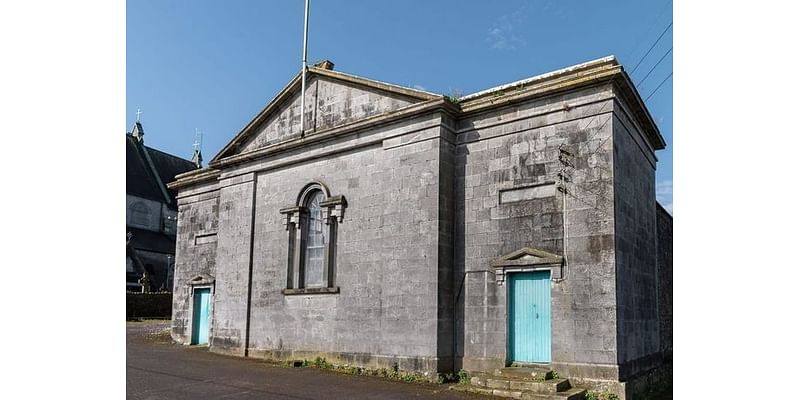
column 392, row 373
column 593, row 395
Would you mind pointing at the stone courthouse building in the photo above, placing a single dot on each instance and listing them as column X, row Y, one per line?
column 514, row 225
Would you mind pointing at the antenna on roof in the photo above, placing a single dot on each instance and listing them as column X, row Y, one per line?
column 197, row 156
column 303, row 73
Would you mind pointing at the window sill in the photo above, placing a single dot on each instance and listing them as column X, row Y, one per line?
column 303, row 291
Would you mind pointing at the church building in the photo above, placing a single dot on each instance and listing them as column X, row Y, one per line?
column 151, row 213
column 516, row 225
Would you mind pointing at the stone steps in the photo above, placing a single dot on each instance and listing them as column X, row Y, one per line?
column 498, row 382
column 533, row 383
column 569, row 394
column 525, row 373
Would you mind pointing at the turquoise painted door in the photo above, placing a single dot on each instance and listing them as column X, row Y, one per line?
column 202, row 316
column 529, row 317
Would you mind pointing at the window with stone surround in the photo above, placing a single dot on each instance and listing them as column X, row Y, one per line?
column 140, row 214
column 312, row 225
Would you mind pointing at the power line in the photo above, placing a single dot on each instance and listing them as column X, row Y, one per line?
column 654, row 66
column 652, row 25
column 658, row 87
column 598, row 112
column 651, row 48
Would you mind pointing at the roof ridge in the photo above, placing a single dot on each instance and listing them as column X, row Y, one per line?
column 154, row 173
column 141, row 160
column 168, row 154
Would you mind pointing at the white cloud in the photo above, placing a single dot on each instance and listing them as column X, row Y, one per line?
column 501, row 34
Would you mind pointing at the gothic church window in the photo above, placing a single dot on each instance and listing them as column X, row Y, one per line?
column 312, row 226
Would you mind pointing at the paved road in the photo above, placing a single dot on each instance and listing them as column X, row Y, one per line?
column 159, row 369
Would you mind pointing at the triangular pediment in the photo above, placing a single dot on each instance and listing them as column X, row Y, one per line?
column 201, row 279
column 528, row 256
column 332, row 99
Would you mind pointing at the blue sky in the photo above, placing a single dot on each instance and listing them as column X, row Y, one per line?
column 213, row 65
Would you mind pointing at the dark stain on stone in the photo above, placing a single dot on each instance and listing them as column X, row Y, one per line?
column 348, row 108
column 368, row 109
column 600, row 243
column 579, row 136
column 531, row 223
column 225, row 343
column 581, row 162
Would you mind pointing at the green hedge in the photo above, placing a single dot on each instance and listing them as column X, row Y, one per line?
column 148, row 305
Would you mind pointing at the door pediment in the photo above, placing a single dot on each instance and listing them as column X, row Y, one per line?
column 527, row 259
column 201, row 279
column 528, row 256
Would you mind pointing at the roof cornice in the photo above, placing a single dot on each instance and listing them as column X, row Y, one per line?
column 591, row 73
column 604, row 70
column 440, row 104
column 190, row 178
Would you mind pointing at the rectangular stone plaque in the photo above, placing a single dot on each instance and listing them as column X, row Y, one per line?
column 527, row 193
column 205, row 238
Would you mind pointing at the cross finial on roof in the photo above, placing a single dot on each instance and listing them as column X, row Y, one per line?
column 197, row 156
column 138, row 113
column 137, row 131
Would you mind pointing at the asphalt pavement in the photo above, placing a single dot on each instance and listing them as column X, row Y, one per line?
column 157, row 368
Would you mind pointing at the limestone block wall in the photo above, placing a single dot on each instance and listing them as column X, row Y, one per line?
column 446, row 259
column 515, row 147
column 636, row 246
column 195, row 251
column 230, row 311
column 389, row 263
column 664, row 227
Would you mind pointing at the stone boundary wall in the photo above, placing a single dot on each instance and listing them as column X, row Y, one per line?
column 148, row 305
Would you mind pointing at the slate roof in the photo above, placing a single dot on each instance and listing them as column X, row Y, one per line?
column 142, row 180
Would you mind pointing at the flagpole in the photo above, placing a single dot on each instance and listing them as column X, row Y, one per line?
column 303, row 73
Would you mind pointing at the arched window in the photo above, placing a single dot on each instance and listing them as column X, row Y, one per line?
column 316, row 240
column 312, row 226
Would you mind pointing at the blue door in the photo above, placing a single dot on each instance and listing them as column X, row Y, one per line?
column 529, row 317
column 201, row 316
